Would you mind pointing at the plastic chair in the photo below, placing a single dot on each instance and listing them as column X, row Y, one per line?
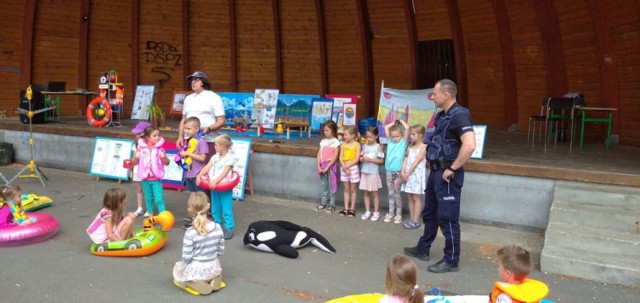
column 533, row 119
column 558, row 110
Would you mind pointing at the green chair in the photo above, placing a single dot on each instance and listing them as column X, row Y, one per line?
column 52, row 101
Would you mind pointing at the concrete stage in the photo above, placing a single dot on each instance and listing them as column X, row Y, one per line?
column 512, row 171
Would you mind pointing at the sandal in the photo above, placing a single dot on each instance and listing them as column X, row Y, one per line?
column 351, row 213
column 320, row 207
column 330, row 209
column 344, row 212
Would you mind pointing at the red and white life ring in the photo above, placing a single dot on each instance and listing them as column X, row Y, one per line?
column 225, row 184
column 99, row 102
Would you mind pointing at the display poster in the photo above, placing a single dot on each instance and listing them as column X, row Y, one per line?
column 349, row 114
column 173, row 173
column 413, row 106
column 294, row 109
column 241, row 150
column 142, row 100
column 238, row 108
column 338, row 109
column 265, row 102
column 481, row 134
column 177, row 104
column 108, row 158
column 321, row 111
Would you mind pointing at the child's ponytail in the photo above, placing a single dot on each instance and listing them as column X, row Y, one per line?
column 198, row 206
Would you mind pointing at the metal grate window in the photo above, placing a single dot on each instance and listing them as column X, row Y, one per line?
column 436, row 61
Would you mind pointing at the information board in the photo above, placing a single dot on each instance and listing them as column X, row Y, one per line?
column 481, row 134
column 241, row 149
column 142, row 100
column 108, row 158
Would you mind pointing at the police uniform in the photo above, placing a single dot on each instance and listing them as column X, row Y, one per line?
column 442, row 199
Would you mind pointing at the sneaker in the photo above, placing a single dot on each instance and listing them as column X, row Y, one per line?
column 228, row 234
column 375, row 217
column 410, row 224
column 398, row 219
column 139, row 211
column 147, row 214
column 388, row 218
column 186, row 226
column 187, row 220
column 366, row 215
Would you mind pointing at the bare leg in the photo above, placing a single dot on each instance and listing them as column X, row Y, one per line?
column 347, row 189
column 367, row 203
column 125, row 227
column 376, row 201
column 354, row 194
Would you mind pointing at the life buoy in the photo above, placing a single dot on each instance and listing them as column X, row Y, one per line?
column 225, row 184
column 99, row 102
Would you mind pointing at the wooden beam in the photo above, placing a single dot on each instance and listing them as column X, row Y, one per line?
column 233, row 46
column 553, row 48
column 186, row 68
column 135, row 42
column 324, row 69
column 508, row 64
column 278, row 43
column 83, row 50
column 28, row 29
column 458, row 46
column 410, row 16
column 367, row 57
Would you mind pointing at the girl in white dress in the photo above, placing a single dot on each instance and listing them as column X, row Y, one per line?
column 414, row 172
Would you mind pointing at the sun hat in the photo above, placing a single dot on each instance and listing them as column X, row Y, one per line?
column 140, row 127
column 198, row 74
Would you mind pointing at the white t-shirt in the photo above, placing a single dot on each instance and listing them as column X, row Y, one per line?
column 206, row 106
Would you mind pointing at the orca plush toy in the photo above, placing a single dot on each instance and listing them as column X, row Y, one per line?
column 283, row 238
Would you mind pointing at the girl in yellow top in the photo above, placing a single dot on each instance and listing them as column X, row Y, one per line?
column 349, row 173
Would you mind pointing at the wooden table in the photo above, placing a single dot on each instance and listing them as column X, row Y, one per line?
column 609, row 120
column 301, row 129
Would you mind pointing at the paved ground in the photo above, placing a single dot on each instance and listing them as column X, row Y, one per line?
column 62, row 270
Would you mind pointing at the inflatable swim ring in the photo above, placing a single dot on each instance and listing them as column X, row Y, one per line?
column 145, row 241
column 45, row 227
column 225, row 184
column 33, row 202
column 99, row 104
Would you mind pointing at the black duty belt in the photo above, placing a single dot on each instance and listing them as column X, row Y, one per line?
column 438, row 166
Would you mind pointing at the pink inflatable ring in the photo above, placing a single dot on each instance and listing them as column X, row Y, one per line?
column 226, row 184
column 45, row 227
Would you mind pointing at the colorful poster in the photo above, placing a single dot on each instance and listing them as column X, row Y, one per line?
column 265, row 102
column 173, row 173
column 413, row 106
column 349, row 114
column 321, row 111
column 108, row 158
column 294, row 109
column 238, row 107
column 338, row 109
column 141, row 102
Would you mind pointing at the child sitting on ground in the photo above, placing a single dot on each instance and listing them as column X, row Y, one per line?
column 11, row 211
column 514, row 265
column 401, row 283
column 203, row 242
column 111, row 224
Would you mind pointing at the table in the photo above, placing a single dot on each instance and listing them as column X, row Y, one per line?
column 585, row 118
column 301, row 128
column 53, row 98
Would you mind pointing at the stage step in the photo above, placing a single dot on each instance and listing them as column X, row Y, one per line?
column 592, row 233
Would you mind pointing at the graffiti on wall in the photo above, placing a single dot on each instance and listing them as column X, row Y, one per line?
column 164, row 58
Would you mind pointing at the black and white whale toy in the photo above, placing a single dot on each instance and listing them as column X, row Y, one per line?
column 283, row 238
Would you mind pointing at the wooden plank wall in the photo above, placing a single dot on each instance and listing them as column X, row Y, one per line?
column 599, row 38
column 109, row 47
column 209, row 42
column 300, row 47
column 11, row 55
column 344, row 50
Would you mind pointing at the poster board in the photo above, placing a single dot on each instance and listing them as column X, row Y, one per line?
column 321, row 111
column 237, row 107
column 338, row 109
column 173, row 173
column 265, row 102
column 294, row 108
column 142, row 100
column 413, row 106
column 241, row 150
column 481, row 134
column 177, row 102
column 108, row 158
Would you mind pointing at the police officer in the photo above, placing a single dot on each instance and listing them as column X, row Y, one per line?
column 450, row 147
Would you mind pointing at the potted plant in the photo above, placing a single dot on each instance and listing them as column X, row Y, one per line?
column 156, row 116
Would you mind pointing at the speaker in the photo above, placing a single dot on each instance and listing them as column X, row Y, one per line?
column 37, row 102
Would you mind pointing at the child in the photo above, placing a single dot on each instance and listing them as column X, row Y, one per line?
column 138, row 131
column 396, row 148
column 370, row 181
column 218, row 168
column 401, row 283
column 111, row 224
column 202, row 244
column 151, row 159
column 514, row 265
column 11, row 210
column 191, row 158
column 326, row 165
column 349, row 173
column 414, row 171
